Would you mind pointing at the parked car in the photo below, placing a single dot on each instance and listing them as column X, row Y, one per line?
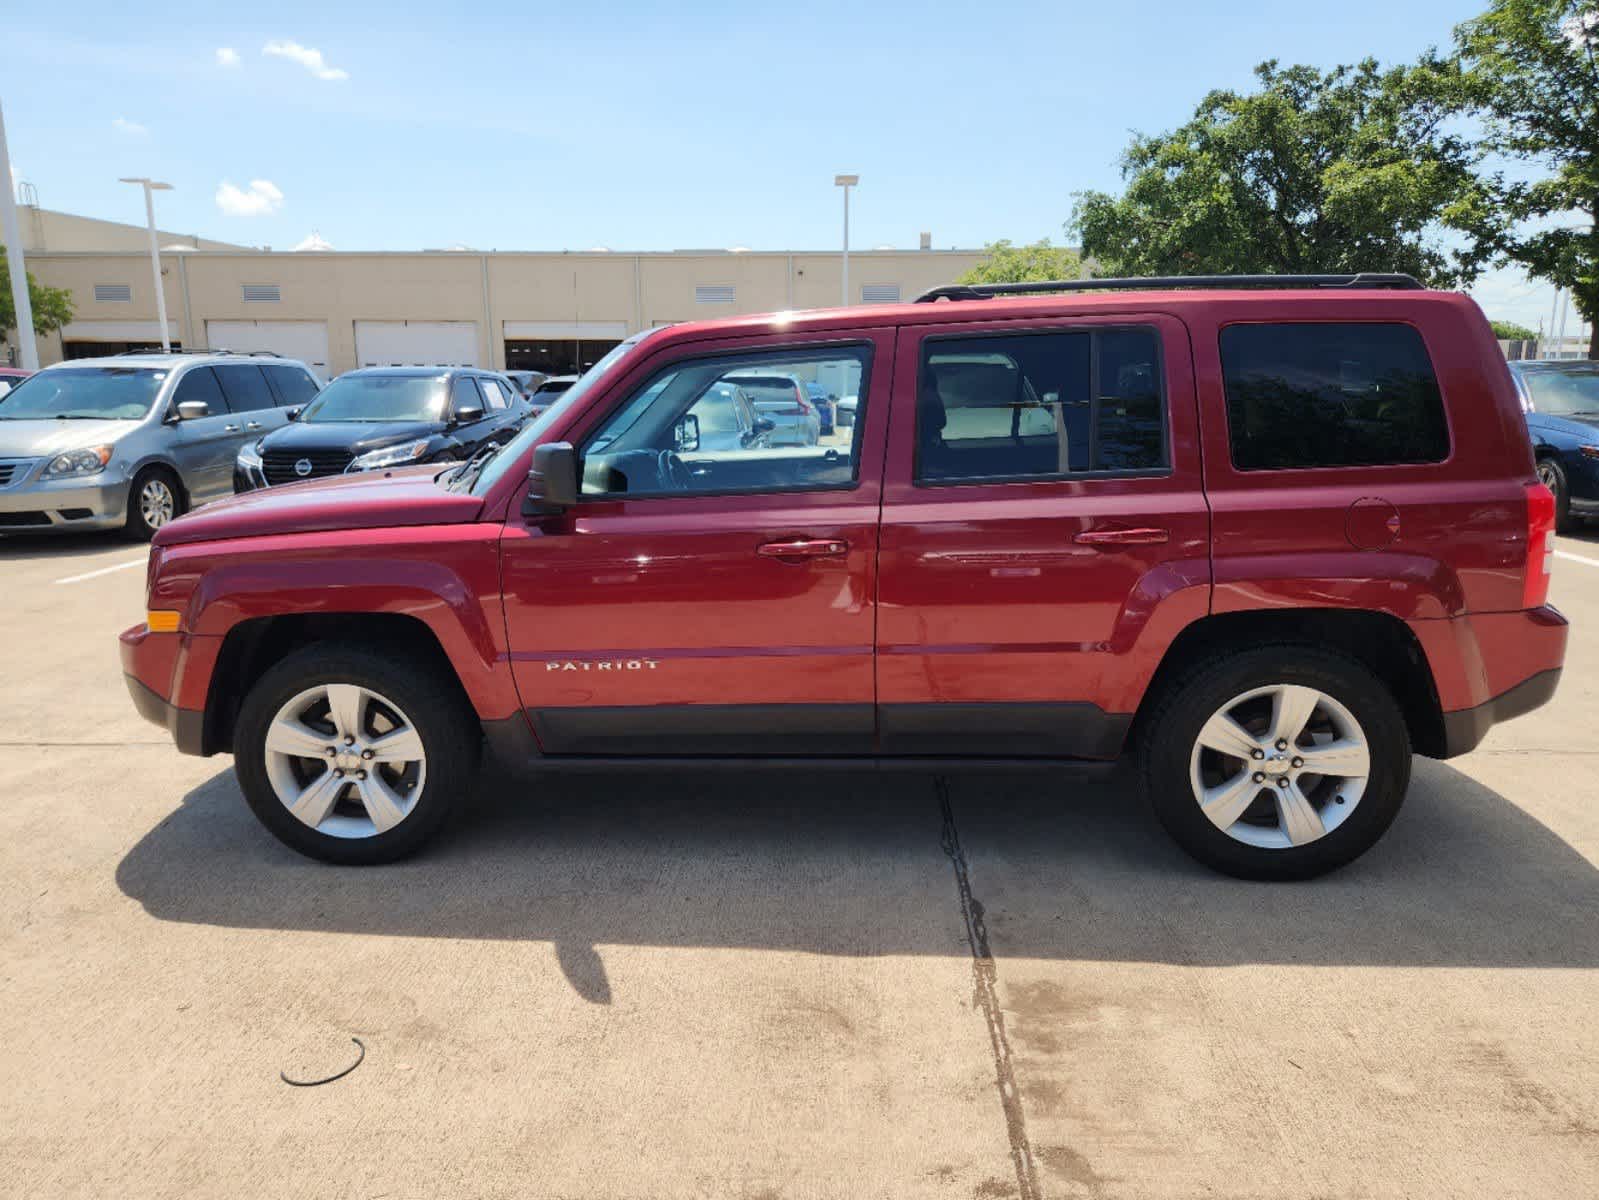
column 548, row 392
column 784, row 400
column 1560, row 398
column 725, row 419
column 386, row 417
column 1271, row 542
column 133, row 441
column 846, row 411
column 527, row 382
column 10, row 377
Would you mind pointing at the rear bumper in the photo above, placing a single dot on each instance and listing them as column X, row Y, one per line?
column 1492, row 667
column 1465, row 729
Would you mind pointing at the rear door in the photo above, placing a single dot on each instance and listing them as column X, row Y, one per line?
column 701, row 601
column 1045, row 532
column 251, row 399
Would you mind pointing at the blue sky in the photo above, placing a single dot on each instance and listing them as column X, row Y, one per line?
column 641, row 126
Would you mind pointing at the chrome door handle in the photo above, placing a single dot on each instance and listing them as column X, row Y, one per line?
column 230, row 429
column 803, row 548
column 252, row 424
column 1147, row 536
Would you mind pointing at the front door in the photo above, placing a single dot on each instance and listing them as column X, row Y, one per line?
column 204, row 448
column 1045, row 532
column 711, row 594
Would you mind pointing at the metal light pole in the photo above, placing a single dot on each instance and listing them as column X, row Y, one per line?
column 149, row 186
column 846, row 182
column 26, row 342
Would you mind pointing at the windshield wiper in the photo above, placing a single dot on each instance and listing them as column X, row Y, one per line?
column 466, row 474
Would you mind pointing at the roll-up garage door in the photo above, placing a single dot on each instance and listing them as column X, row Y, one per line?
column 416, row 343
column 304, row 340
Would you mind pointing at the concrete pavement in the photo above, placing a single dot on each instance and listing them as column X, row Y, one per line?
column 765, row 986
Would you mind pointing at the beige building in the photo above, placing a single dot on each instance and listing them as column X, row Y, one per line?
column 555, row 312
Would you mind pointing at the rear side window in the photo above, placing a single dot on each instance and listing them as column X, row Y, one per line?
column 293, row 385
column 1040, row 405
column 1331, row 395
column 245, row 387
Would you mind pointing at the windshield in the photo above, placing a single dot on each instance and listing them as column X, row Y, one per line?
column 374, row 398
column 1564, row 392
column 83, row 394
column 532, row 432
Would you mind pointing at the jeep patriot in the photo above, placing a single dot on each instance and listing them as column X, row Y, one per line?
column 1272, row 536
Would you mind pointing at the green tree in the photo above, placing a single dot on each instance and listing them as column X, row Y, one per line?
column 1021, row 264
column 1355, row 169
column 1511, row 332
column 1532, row 69
column 52, row 306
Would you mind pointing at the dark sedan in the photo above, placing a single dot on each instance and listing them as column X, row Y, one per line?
column 1561, row 401
column 386, row 417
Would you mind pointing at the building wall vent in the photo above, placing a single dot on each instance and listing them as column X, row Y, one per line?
column 715, row 293
column 113, row 293
column 879, row 293
column 262, row 293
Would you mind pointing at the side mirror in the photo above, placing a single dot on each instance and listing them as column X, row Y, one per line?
column 686, row 434
column 764, row 424
column 293, row 411
column 551, row 481
column 193, row 410
column 467, row 413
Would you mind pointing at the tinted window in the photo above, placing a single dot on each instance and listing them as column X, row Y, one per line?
column 293, row 385
column 200, row 384
column 697, row 427
column 1031, row 405
column 1330, row 395
column 245, row 387
column 464, row 394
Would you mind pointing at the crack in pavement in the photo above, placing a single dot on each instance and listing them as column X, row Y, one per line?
column 985, row 992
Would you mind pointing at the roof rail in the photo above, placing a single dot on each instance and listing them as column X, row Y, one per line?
column 987, row 291
column 257, row 353
column 170, row 350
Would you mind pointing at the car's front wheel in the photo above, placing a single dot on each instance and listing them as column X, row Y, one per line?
column 1281, row 762
column 154, row 498
column 353, row 756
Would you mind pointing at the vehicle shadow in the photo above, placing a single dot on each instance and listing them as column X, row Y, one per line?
column 1064, row 868
column 19, row 546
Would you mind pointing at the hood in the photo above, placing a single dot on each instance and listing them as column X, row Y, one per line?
column 1577, row 427
column 37, row 439
column 357, row 437
column 370, row 500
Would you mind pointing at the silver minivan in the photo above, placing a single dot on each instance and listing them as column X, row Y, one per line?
column 132, row 441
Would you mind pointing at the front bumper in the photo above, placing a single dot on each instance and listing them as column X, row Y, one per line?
column 168, row 677
column 28, row 502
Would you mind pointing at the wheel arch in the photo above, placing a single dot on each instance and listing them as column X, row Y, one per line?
column 1382, row 643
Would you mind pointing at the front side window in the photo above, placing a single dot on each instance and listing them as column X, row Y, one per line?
column 379, row 398
column 1331, row 395
column 200, row 383
column 83, row 393
column 1040, row 405
column 735, row 423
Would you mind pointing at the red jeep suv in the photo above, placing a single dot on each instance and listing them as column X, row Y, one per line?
column 1271, row 535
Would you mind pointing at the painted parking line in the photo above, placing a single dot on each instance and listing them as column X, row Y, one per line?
column 125, row 566
column 1592, row 562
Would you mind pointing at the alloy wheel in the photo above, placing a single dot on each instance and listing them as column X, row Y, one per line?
column 157, row 504
column 345, row 760
column 1279, row 766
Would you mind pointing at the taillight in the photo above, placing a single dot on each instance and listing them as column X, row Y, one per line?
column 1540, row 545
column 804, row 404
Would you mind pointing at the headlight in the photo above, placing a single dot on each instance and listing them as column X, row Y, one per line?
column 1588, row 451
column 250, row 457
column 391, row 456
column 78, row 462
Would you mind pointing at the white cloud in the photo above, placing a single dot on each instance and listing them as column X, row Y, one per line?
column 227, row 56
column 308, row 58
column 261, row 200
column 313, row 241
column 132, row 128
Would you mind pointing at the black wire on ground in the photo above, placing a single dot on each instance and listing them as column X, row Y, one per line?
column 330, row 1078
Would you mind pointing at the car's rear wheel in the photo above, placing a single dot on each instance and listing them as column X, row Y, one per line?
column 1281, row 762
column 352, row 756
column 1553, row 476
column 154, row 498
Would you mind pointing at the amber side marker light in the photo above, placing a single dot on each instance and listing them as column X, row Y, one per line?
column 160, row 621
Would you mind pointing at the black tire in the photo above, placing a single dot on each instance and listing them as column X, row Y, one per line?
column 1172, row 728
column 1553, row 476
column 451, row 739
column 135, row 526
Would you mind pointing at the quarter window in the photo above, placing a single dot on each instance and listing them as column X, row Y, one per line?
column 743, row 423
column 1040, row 405
column 1331, row 395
